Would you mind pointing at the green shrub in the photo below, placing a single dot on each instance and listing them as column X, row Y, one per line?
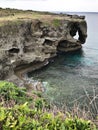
column 9, row 91
column 22, row 117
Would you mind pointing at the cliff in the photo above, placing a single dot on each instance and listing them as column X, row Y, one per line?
column 29, row 39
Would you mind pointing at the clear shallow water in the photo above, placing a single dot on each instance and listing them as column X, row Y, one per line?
column 73, row 75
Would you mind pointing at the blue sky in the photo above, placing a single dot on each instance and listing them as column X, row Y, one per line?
column 52, row 5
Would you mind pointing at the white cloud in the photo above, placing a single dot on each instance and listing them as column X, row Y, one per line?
column 53, row 5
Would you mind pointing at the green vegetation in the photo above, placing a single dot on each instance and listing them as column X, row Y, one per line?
column 26, row 112
column 56, row 22
column 9, row 91
column 13, row 15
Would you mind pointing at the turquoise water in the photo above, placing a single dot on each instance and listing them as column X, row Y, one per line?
column 71, row 77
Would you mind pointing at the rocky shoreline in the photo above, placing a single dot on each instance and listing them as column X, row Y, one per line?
column 29, row 43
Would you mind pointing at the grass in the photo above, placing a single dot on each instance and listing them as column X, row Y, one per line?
column 12, row 15
column 56, row 22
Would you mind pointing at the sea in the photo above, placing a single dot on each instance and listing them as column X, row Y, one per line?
column 73, row 77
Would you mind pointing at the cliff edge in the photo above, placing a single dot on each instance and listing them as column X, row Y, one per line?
column 29, row 39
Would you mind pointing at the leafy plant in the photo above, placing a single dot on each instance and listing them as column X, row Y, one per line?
column 9, row 91
column 22, row 117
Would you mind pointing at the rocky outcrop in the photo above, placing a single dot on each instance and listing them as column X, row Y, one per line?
column 30, row 43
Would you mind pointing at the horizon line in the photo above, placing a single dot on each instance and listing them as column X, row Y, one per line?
column 50, row 10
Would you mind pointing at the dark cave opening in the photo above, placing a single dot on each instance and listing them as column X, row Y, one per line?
column 74, row 31
column 48, row 42
column 14, row 50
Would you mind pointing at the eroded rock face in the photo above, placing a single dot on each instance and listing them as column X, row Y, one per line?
column 31, row 42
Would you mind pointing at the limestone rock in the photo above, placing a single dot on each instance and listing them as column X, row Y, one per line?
column 32, row 42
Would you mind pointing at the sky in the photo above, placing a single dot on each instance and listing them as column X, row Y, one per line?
column 52, row 5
